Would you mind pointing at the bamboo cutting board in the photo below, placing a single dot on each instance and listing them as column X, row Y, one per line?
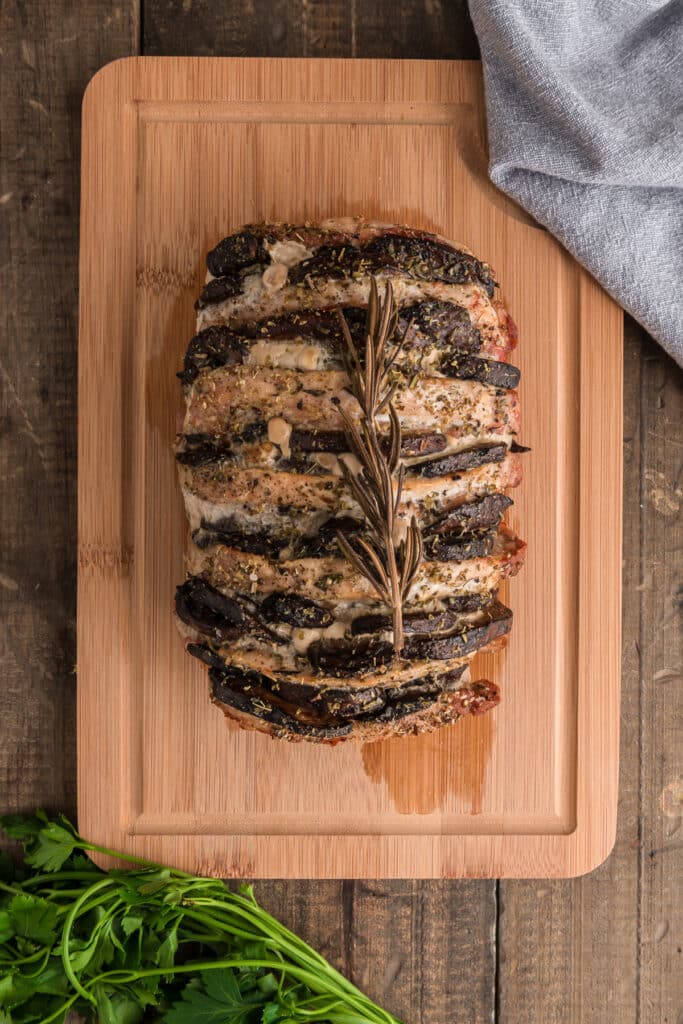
column 176, row 154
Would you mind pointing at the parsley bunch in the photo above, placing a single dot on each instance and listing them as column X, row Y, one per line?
column 150, row 943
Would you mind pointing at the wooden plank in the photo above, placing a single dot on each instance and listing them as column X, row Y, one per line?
column 333, row 28
column 660, row 916
column 407, row 808
column 569, row 950
column 424, row 950
column 49, row 53
column 617, row 957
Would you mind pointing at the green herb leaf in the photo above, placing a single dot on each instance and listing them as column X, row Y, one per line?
column 117, row 1008
column 33, row 918
column 47, row 844
column 165, row 955
column 6, row 990
column 271, row 1013
column 218, row 1001
column 130, row 923
column 6, row 926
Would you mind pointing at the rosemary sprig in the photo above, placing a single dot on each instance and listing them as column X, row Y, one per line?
column 390, row 566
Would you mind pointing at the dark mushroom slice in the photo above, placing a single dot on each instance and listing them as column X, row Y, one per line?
column 486, row 371
column 445, row 325
column 224, row 532
column 423, row 622
column 394, row 712
column 256, row 705
column 412, row 444
column 459, row 462
column 242, row 249
column 463, row 641
column 322, row 325
column 519, row 448
column 204, row 454
column 214, row 346
column 325, row 541
column 205, row 609
column 470, row 602
column 332, row 261
column 327, row 702
column 340, row 657
column 426, row 260
column 219, row 289
column 325, row 705
column 218, row 617
column 481, row 514
column 423, row 259
column 318, row 441
column 296, row 611
column 431, row 685
column 447, row 548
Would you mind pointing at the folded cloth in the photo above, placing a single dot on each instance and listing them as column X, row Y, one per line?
column 585, row 122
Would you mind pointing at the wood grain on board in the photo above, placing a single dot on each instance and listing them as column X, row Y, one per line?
column 176, row 154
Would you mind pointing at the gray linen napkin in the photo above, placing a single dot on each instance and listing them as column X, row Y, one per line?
column 585, row 122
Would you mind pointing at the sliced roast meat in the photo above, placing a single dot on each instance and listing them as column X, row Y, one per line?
column 295, row 637
column 429, row 326
column 329, row 580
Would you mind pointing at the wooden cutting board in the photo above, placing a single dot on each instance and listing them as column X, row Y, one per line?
column 176, row 154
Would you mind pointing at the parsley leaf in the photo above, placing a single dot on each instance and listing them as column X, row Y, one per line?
column 6, row 926
column 47, row 844
column 33, row 918
column 217, row 999
column 117, row 1008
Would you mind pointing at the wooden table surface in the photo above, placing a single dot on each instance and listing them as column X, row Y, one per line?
column 603, row 948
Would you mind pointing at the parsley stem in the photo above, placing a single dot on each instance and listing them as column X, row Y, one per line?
column 66, row 934
column 353, row 997
column 15, row 890
column 61, row 1012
